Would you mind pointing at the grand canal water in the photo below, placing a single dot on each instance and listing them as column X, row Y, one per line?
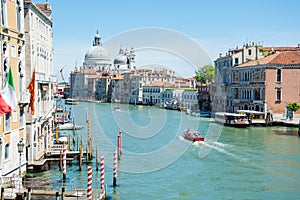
column 157, row 163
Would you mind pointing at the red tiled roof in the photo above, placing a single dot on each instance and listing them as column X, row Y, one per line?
column 279, row 48
column 279, row 58
column 45, row 8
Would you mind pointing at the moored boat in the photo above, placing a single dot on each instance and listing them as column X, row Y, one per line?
column 232, row 119
column 71, row 101
column 69, row 126
column 192, row 135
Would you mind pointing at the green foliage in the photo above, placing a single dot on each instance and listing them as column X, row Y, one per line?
column 205, row 73
column 294, row 106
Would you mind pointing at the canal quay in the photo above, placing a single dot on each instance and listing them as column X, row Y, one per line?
column 260, row 162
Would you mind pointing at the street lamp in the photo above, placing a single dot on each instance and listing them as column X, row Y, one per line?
column 20, row 151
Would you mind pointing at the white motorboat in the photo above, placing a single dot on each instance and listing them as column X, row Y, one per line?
column 69, row 126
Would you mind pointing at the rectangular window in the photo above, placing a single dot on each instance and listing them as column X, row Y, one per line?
column 236, row 61
column 278, row 94
column 257, row 94
column 21, row 116
column 7, row 122
column 278, row 75
column 236, row 93
column 6, row 154
column 13, row 51
column 14, row 116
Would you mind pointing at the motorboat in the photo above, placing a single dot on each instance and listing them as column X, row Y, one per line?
column 70, row 101
column 69, row 126
column 117, row 108
column 192, row 135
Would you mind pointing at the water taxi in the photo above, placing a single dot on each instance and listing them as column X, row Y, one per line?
column 232, row 119
column 254, row 117
column 192, row 135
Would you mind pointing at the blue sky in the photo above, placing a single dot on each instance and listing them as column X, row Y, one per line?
column 215, row 25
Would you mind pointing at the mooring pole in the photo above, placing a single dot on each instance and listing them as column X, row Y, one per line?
column 29, row 193
column 57, row 195
column 2, row 193
column 115, row 169
column 119, row 146
column 60, row 160
column 90, row 182
column 299, row 129
column 102, row 171
column 96, row 158
column 65, row 162
column 80, row 156
column 63, row 189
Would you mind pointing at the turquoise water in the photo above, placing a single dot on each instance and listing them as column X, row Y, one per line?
column 157, row 163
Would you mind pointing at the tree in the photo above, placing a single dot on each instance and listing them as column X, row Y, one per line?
column 205, row 73
column 294, row 107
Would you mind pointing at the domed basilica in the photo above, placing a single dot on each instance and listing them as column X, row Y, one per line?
column 97, row 57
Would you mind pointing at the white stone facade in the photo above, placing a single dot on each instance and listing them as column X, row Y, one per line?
column 39, row 58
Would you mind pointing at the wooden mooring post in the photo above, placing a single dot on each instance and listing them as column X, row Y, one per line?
column 80, row 157
column 96, row 158
column 299, row 129
column 60, row 160
column 2, row 193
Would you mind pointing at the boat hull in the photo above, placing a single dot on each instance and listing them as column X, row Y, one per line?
column 193, row 136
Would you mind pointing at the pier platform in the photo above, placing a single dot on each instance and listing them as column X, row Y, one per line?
column 78, row 194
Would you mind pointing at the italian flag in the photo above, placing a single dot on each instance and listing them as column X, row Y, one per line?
column 8, row 98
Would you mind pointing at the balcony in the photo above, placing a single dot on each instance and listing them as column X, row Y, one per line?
column 258, row 101
column 24, row 99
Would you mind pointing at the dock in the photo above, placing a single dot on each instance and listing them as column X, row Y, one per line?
column 78, row 194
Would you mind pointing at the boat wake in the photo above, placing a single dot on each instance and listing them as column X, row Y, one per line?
column 218, row 147
column 221, row 144
column 210, row 145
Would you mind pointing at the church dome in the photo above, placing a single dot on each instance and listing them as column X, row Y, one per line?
column 97, row 53
column 121, row 60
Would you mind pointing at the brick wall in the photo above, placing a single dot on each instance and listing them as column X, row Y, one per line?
column 290, row 85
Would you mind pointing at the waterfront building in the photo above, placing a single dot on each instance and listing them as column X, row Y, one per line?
column 103, row 88
column 12, row 125
column 79, row 82
column 39, row 60
column 190, row 99
column 204, row 97
column 117, row 88
column 172, row 98
column 267, row 84
column 152, row 92
column 224, row 65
